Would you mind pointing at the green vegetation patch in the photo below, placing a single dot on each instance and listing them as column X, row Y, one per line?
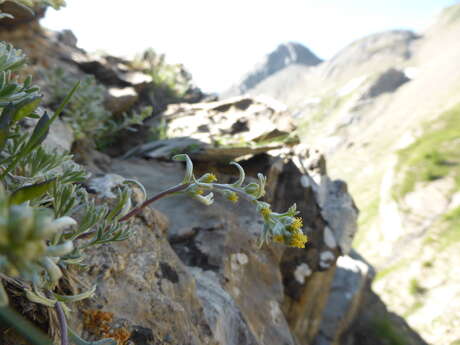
column 390, row 269
column 452, row 14
column 384, row 329
column 435, row 155
column 366, row 217
column 325, row 107
column 449, row 230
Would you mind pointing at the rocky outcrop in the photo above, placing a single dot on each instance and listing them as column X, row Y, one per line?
column 219, row 131
column 265, row 292
column 388, row 81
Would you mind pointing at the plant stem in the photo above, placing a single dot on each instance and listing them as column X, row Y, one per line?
column 16, row 321
column 156, row 197
column 62, row 324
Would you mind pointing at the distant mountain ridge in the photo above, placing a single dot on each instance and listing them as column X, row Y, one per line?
column 284, row 55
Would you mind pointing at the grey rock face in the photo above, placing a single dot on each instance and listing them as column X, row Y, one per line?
column 224, row 317
column 388, row 81
column 347, row 290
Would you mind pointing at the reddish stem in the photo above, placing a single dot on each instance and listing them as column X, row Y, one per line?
column 62, row 324
column 160, row 195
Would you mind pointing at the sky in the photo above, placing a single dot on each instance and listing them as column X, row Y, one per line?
column 219, row 40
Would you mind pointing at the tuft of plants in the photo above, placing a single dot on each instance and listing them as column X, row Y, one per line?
column 173, row 79
column 86, row 113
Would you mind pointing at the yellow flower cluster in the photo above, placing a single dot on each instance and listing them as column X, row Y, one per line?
column 296, row 224
column 282, row 228
column 298, row 239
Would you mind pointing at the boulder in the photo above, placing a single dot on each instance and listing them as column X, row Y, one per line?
column 388, row 81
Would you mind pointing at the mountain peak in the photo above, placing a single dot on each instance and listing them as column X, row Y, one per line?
column 287, row 53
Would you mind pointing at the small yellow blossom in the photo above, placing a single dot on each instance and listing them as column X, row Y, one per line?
column 232, row 196
column 199, row 191
column 209, row 178
column 265, row 211
column 296, row 224
column 298, row 239
column 278, row 239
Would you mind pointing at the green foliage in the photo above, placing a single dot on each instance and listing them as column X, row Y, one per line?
column 449, row 232
column 415, row 288
column 172, row 78
column 391, row 269
column 435, row 155
column 86, row 112
column 12, row 318
column 384, row 329
column 41, row 199
column 159, row 132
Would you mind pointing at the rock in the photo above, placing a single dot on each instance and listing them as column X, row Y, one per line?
column 120, row 100
column 147, row 289
column 60, row 136
column 337, row 206
column 219, row 131
column 225, row 242
column 21, row 14
column 67, row 37
column 388, row 81
column 345, row 297
column 224, row 318
column 340, row 212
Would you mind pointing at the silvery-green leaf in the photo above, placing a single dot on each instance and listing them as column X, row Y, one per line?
column 33, row 297
column 26, row 107
column 52, row 269
column 241, row 177
column 3, row 296
column 5, row 121
column 60, row 249
column 30, row 192
column 76, row 298
column 188, row 167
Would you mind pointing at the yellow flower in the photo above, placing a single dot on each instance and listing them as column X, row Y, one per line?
column 208, row 178
column 296, row 224
column 265, row 211
column 199, row 191
column 232, row 196
column 278, row 239
column 298, row 239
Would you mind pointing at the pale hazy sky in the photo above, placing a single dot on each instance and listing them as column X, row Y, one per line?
column 219, row 40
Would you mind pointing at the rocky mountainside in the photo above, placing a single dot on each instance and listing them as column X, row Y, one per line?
column 386, row 112
column 287, row 54
column 192, row 274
